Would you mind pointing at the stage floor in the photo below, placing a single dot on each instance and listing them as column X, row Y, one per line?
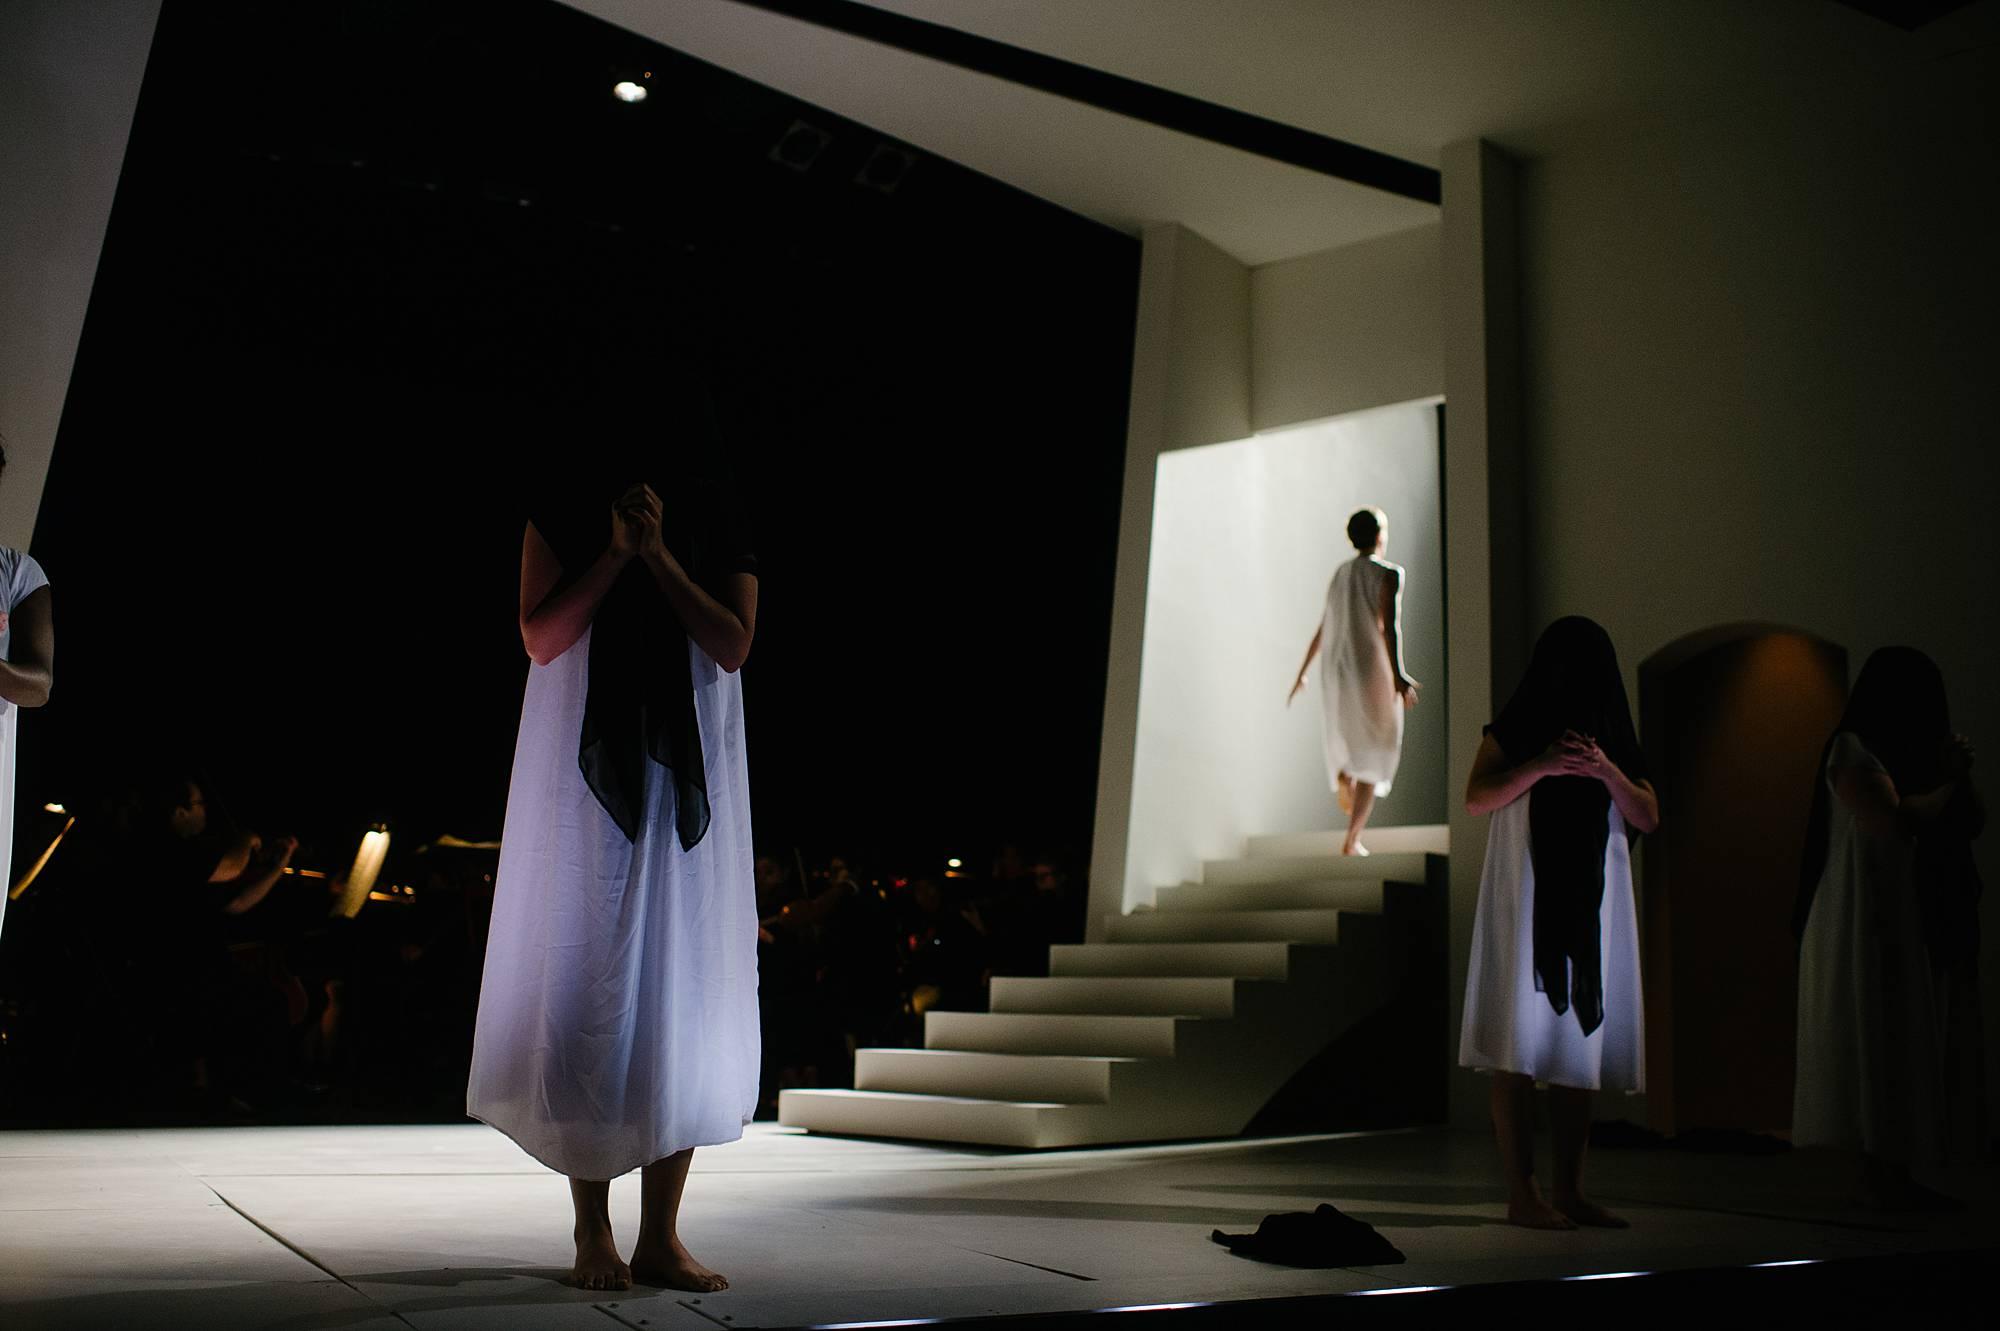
column 452, row 1227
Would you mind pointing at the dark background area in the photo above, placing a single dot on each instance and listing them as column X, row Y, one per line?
column 375, row 268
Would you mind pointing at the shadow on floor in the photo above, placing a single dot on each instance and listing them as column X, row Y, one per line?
column 1030, row 1208
column 1338, row 1190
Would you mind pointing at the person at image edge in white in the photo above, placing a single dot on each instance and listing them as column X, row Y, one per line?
column 27, row 673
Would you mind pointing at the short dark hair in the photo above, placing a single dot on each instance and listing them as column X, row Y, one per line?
column 1365, row 528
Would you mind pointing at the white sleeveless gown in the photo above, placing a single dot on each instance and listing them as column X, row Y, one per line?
column 1362, row 716
column 1870, row 1070
column 618, row 1014
column 1509, row 1025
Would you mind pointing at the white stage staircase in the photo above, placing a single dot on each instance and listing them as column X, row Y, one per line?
column 1183, row 1023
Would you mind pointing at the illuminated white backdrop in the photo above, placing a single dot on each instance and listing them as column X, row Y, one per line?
column 1245, row 537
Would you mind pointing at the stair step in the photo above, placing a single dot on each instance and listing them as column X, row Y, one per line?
column 1427, row 838
column 1042, row 1078
column 1051, row 1033
column 1331, row 894
column 1117, row 995
column 1401, row 867
column 1021, row 1124
column 1251, row 961
column 1198, row 926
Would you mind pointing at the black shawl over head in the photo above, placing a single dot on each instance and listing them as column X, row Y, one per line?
column 1897, row 709
column 1573, row 683
column 640, row 704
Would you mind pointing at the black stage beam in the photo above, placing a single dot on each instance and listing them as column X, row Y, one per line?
column 1113, row 92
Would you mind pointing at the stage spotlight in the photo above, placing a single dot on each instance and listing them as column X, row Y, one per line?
column 800, row 146
column 367, row 864
column 627, row 91
column 954, row 863
column 885, row 168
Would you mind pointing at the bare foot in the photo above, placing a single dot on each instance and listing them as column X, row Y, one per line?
column 598, row 1265
column 671, row 1264
column 1534, row 1213
column 1344, row 792
column 1586, row 1212
column 1354, row 848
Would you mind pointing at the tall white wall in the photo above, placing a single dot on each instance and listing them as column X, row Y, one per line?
column 1220, row 349
column 1346, row 329
column 1190, row 386
column 1245, row 536
column 69, row 80
column 1760, row 356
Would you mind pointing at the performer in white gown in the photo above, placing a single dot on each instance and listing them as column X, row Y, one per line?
column 618, row 1015
column 1552, row 992
column 27, row 671
column 1888, row 899
column 1364, row 688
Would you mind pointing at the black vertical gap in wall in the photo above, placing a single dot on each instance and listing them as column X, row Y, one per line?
column 1444, row 587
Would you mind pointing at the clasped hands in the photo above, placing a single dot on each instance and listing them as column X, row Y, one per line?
column 1576, row 754
column 635, row 524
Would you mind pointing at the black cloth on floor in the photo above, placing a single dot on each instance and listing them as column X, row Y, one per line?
column 1322, row 1237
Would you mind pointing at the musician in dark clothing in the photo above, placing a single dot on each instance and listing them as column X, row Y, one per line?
column 188, row 877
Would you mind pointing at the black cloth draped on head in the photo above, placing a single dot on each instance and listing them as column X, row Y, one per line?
column 1573, row 683
column 640, row 703
column 1897, row 709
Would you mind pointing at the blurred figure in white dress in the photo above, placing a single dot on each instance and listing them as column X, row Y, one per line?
column 1888, row 928
column 1364, row 687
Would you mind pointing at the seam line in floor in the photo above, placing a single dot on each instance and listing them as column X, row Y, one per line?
column 306, row 1257
column 1052, row 1270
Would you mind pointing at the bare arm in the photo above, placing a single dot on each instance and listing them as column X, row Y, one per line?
column 555, row 613
column 1495, row 783
column 256, row 882
column 1879, row 811
column 1638, row 804
column 1392, row 630
column 722, row 623
column 1312, row 650
column 29, row 672
column 1870, row 796
column 236, row 860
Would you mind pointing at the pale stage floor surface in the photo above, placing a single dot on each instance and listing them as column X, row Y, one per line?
column 448, row 1227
